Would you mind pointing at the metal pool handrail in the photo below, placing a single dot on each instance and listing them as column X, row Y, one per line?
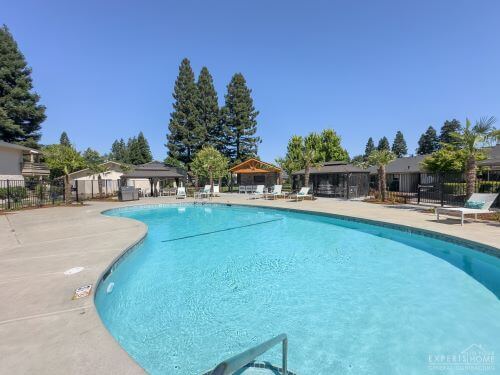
column 240, row 360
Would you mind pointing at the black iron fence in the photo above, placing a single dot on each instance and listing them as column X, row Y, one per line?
column 436, row 189
column 16, row 194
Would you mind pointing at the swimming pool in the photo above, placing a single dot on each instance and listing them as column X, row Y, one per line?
column 210, row 281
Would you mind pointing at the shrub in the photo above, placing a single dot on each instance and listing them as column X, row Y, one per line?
column 16, row 193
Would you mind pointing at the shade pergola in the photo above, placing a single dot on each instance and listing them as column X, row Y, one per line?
column 156, row 171
column 254, row 171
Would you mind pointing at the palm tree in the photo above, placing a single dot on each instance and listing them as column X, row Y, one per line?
column 470, row 141
column 380, row 158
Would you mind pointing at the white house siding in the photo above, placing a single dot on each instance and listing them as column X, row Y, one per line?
column 11, row 164
column 141, row 183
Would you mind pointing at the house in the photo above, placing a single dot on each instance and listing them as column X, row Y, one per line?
column 146, row 177
column 492, row 162
column 405, row 174
column 256, row 172
column 336, row 179
column 19, row 162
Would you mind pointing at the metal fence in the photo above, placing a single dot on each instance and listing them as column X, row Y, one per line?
column 16, row 194
column 436, row 189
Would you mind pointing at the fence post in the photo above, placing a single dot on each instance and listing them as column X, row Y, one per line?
column 76, row 190
column 40, row 189
column 441, row 187
column 8, row 195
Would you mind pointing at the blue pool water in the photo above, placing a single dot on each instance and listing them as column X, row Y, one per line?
column 211, row 281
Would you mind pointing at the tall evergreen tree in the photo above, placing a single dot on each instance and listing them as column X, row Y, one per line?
column 119, row 151
column 138, row 151
column 370, row 147
column 143, row 147
column 20, row 114
column 428, row 142
column 64, row 139
column 239, row 117
column 399, row 147
column 186, row 133
column 448, row 129
column 208, row 110
column 383, row 144
column 92, row 157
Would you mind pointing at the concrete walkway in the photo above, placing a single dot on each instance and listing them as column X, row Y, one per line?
column 44, row 331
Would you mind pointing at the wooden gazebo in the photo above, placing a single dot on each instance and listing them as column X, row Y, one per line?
column 256, row 172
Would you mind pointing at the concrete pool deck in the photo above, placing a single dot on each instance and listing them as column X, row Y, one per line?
column 44, row 331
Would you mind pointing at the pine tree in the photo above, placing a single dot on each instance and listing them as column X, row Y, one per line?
column 428, row 142
column 20, row 114
column 92, row 157
column 399, row 147
column 64, row 139
column 239, row 119
column 138, row 151
column 449, row 128
column 119, row 151
column 370, row 147
column 383, row 144
column 144, row 150
column 186, row 134
column 208, row 110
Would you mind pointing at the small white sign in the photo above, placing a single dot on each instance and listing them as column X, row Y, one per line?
column 82, row 291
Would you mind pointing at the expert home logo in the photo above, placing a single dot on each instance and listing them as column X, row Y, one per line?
column 474, row 358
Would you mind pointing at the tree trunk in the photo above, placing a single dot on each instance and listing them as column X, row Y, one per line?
column 471, row 175
column 307, row 172
column 211, row 182
column 382, row 185
column 99, row 184
column 67, row 189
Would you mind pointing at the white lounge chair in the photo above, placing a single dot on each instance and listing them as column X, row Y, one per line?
column 275, row 192
column 181, row 193
column 258, row 193
column 485, row 198
column 242, row 189
column 216, row 191
column 205, row 192
column 303, row 193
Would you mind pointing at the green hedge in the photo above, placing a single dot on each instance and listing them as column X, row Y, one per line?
column 16, row 193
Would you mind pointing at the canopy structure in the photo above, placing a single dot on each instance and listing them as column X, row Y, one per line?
column 336, row 179
column 156, row 171
column 256, row 172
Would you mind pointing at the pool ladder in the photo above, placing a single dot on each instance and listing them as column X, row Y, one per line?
column 243, row 359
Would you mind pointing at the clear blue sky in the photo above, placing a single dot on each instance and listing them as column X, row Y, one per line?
column 106, row 69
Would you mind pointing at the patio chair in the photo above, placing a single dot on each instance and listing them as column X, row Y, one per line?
column 205, row 192
column 478, row 203
column 242, row 189
column 249, row 189
column 216, row 191
column 181, row 193
column 303, row 193
column 275, row 192
column 258, row 193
